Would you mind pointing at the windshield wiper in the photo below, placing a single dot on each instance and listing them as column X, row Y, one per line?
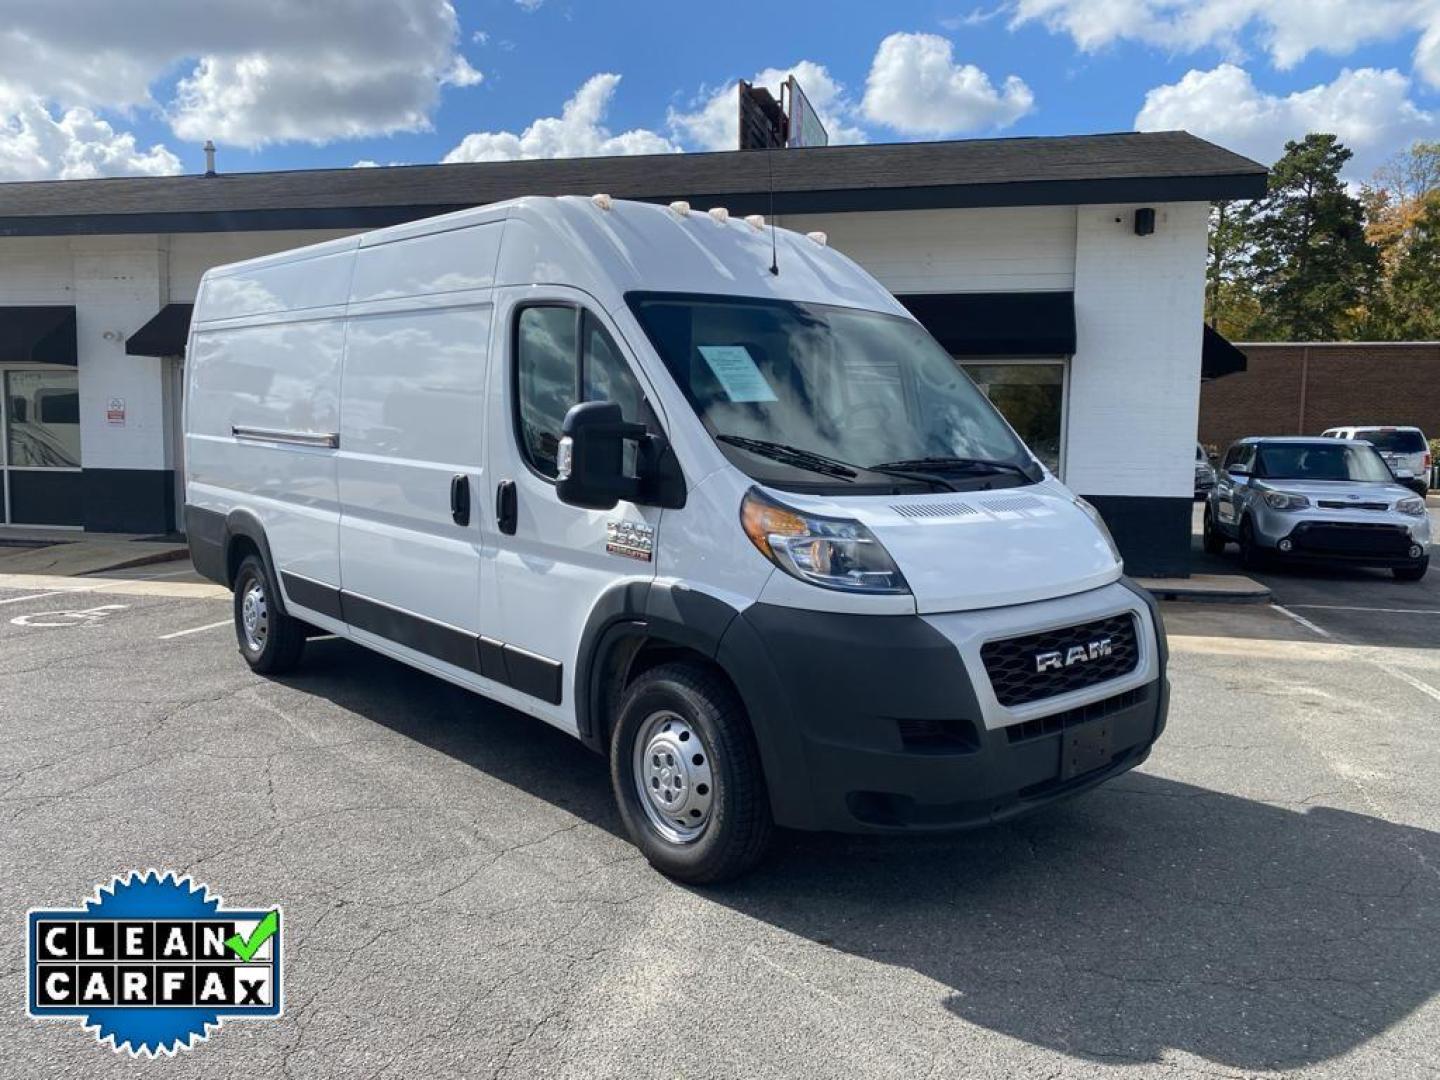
column 792, row 455
column 935, row 464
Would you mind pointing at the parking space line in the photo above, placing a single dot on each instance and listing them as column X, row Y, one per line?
column 37, row 596
column 1376, row 610
column 196, row 629
column 1366, row 653
column 1303, row 621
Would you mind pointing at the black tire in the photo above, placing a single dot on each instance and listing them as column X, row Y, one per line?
column 1250, row 557
column 1213, row 538
column 1414, row 572
column 275, row 641
column 736, row 825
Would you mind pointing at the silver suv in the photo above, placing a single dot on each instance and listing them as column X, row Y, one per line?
column 1330, row 500
column 1403, row 448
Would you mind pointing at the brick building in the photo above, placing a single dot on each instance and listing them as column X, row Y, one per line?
column 1295, row 388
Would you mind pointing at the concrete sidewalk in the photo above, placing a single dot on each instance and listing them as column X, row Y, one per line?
column 65, row 553
column 1208, row 588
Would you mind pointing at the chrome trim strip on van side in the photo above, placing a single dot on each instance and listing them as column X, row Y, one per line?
column 509, row 665
column 329, row 440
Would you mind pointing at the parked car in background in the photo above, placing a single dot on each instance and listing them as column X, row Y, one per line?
column 1322, row 499
column 1204, row 473
column 1404, row 449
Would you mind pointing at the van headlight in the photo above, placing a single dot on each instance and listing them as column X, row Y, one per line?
column 834, row 553
column 1415, row 507
column 1094, row 515
column 1283, row 500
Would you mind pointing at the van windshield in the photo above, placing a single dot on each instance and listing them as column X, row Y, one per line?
column 799, row 393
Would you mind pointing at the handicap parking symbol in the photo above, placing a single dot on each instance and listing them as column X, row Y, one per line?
column 77, row 617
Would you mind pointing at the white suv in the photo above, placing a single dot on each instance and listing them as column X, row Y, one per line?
column 1403, row 448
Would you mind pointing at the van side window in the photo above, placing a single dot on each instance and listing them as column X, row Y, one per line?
column 546, row 377
column 607, row 376
column 556, row 366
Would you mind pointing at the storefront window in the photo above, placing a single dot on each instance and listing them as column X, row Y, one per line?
column 1031, row 395
column 42, row 419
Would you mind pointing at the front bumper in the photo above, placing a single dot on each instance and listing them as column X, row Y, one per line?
column 1360, row 538
column 876, row 724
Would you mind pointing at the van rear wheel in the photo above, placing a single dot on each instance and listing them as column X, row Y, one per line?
column 687, row 777
column 270, row 641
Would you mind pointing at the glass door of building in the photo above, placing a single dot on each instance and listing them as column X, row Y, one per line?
column 40, row 445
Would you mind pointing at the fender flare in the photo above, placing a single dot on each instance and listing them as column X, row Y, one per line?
column 242, row 522
column 629, row 615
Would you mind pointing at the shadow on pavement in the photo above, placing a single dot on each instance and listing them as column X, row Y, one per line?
column 1147, row 915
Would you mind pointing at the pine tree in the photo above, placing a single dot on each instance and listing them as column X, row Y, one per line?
column 1313, row 268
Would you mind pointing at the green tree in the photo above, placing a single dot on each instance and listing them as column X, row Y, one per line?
column 1230, row 304
column 1312, row 267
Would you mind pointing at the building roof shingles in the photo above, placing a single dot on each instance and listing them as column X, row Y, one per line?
column 1155, row 166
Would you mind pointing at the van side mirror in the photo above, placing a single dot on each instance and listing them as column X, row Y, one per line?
column 1238, row 471
column 590, row 463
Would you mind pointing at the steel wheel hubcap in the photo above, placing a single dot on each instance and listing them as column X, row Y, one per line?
column 254, row 616
column 674, row 775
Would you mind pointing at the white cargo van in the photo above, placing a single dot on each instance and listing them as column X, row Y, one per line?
column 696, row 491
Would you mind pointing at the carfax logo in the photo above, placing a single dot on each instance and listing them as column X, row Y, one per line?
column 152, row 964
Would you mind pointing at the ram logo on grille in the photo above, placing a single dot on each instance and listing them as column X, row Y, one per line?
column 1055, row 660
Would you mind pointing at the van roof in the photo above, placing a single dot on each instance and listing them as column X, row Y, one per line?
column 611, row 247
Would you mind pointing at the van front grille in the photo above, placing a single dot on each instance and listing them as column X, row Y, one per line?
column 1038, row 666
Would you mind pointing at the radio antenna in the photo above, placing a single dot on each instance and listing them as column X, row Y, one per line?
column 774, row 260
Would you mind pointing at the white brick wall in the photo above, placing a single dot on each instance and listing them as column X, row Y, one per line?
column 1013, row 249
column 1135, row 377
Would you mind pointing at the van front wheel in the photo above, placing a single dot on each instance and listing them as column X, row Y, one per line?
column 687, row 776
column 269, row 640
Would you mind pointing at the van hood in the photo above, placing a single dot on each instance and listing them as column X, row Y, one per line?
column 980, row 549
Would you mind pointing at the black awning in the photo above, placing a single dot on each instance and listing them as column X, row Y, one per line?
column 37, row 335
column 1218, row 357
column 164, row 335
column 998, row 324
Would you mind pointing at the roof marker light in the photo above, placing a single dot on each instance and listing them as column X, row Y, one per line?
column 603, row 201
column 680, row 207
column 719, row 214
column 819, row 238
column 755, row 221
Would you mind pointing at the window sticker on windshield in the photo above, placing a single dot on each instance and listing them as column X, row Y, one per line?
column 739, row 376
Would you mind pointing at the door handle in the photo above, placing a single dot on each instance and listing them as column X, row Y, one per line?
column 506, row 510
column 460, row 499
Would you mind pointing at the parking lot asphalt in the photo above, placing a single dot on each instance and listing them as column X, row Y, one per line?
column 1261, row 897
column 1349, row 603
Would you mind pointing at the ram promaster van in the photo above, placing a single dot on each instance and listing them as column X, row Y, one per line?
column 694, row 490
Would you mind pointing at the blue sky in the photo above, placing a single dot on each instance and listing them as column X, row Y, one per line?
column 113, row 87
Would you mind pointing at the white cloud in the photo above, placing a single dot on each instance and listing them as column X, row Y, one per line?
column 1289, row 30
column 77, row 145
column 462, row 74
column 916, row 87
column 253, row 71
column 530, row 6
column 1370, row 110
column 713, row 123
column 578, row 131
column 1427, row 55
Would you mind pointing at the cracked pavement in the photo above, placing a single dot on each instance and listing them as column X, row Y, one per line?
column 1262, row 897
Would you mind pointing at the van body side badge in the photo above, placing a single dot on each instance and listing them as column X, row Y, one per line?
column 632, row 539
